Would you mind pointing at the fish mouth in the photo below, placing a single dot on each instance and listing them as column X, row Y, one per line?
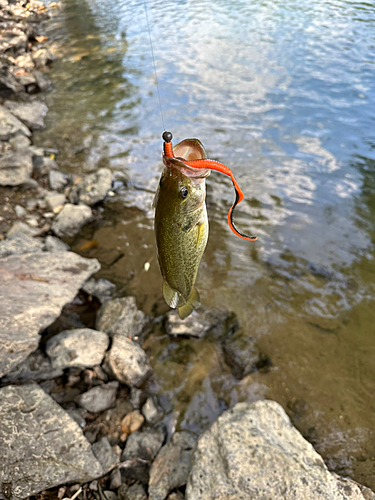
column 178, row 163
column 187, row 150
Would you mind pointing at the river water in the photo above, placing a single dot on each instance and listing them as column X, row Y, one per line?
column 284, row 94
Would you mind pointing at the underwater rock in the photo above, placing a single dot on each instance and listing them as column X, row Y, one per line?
column 99, row 398
column 31, row 114
column 252, row 451
column 40, row 445
column 127, row 361
column 196, row 325
column 171, row 467
column 100, row 288
column 92, row 188
column 34, row 289
column 70, row 348
column 71, row 219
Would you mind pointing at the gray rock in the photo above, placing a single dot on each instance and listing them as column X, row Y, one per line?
column 37, row 367
column 136, row 492
column 79, row 347
column 8, row 82
column 18, row 244
column 79, row 415
column 99, row 398
column 171, row 467
column 41, row 80
column 70, row 220
column 15, row 168
column 10, row 125
column 144, row 444
column 196, row 325
column 42, row 57
column 40, row 445
column 128, row 361
column 31, row 114
column 92, row 188
column 43, row 165
column 104, row 453
column 19, row 142
column 55, row 201
column 123, row 318
column 252, row 451
column 150, row 412
column 20, row 211
column 101, row 289
column 25, row 61
column 53, row 244
column 57, row 180
column 34, row 289
column 109, row 495
column 22, row 228
column 115, row 479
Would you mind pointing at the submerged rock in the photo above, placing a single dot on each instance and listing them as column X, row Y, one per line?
column 30, row 113
column 196, row 325
column 123, row 318
column 40, row 445
column 99, row 398
column 171, row 467
column 80, row 347
column 128, row 362
column 92, row 188
column 100, row 288
column 15, row 168
column 34, row 289
column 70, row 220
column 252, row 451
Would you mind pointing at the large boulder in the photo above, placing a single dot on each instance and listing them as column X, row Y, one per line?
column 34, row 288
column 252, row 451
column 41, row 446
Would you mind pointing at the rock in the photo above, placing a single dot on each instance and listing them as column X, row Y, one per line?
column 242, row 354
column 20, row 211
column 70, row 220
column 252, row 451
column 104, row 453
column 176, row 496
column 8, row 82
column 136, row 492
column 80, row 347
column 115, row 479
column 101, row 289
column 109, row 495
column 99, row 398
column 131, row 423
column 37, row 367
column 53, row 244
column 25, row 61
column 143, row 445
column 34, row 289
column 41, row 80
column 42, row 57
column 123, row 318
column 196, row 325
column 40, row 445
column 92, row 188
column 30, row 113
column 55, row 201
column 22, row 228
column 15, row 168
column 44, row 165
column 171, row 467
column 18, row 244
column 150, row 412
column 57, row 180
column 19, row 142
column 128, row 361
column 79, row 415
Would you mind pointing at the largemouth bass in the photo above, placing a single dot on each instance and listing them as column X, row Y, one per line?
column 181, row 225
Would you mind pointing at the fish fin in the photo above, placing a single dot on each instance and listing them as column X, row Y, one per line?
column 192, row 303
column 171, row 296
column 200, row 232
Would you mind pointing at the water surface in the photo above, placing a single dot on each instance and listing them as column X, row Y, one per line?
column 284, row 94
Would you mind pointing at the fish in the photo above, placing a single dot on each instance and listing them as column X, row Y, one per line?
column 181, row 225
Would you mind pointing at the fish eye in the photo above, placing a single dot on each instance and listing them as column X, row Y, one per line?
column 183, row 192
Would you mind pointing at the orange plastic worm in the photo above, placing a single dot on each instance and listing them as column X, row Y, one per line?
column 213, row 165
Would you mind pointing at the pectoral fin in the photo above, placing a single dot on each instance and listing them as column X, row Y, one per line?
column 192, row 303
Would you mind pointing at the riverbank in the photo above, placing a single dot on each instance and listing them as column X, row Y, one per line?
column 90, row 423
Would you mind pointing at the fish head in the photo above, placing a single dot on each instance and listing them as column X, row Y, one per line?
column 185, row 185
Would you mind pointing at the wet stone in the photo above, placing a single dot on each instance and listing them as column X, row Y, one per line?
column 100, row 288
column 30, row 113
column 196, row 325
column 99, row 398
column 71, row 219
column 82, row 347
column 45, row 443
column 104, row 453
column 93, row 188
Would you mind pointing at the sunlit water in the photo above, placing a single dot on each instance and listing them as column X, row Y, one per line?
column 284, row 94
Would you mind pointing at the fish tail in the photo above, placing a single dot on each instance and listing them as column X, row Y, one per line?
column 192, row 303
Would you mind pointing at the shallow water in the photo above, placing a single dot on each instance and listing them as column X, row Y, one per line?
column 284, row 94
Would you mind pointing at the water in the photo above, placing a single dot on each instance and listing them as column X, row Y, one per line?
column 284, row 94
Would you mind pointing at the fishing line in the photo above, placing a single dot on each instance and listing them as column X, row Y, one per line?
column 153, row 61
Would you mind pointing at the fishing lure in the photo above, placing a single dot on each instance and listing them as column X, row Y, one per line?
column 212, row 165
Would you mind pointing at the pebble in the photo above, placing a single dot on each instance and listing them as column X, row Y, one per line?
column 150, row 412
column 20, row 211
column 53, row 244
column 22, row 227
column 57, row 180
column 135, row 492
column 115, row 479
column 131, row 423
column 98, row 398
column 104, row 453
column 71, row 219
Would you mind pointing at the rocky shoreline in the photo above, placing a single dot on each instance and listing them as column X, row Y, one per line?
column 77, row 416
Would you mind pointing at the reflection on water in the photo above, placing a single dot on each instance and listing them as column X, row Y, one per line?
column 284, row 94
